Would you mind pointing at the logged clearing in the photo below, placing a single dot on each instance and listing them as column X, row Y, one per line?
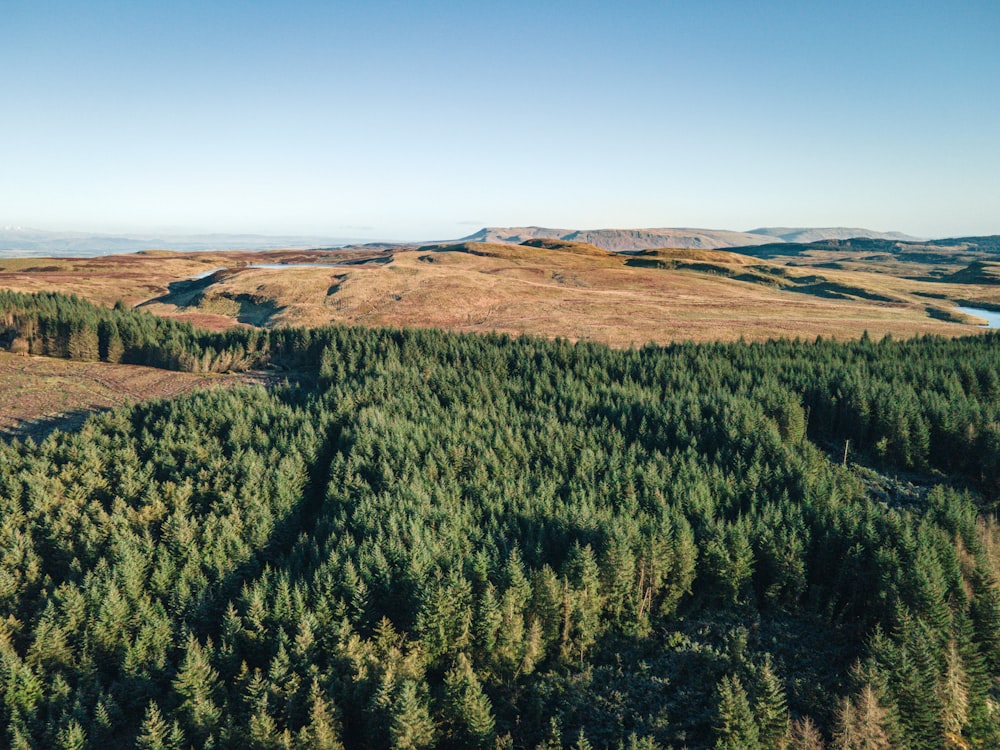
column 39, row 394
column 544, row 287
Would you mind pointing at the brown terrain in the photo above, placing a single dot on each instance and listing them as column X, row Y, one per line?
column 40, row 394
column 546, row 287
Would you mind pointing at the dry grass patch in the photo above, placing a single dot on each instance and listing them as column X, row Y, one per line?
column 547, row 288
column 39, row 394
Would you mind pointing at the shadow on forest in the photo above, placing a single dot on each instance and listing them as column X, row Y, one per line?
column 300, row 521
column 41, row 428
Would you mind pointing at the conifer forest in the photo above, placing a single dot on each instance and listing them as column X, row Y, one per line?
column 435, row 540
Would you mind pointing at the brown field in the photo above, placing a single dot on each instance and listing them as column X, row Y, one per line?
column 38, row 394
column 556, row 289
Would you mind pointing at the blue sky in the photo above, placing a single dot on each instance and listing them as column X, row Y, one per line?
column 420, row 120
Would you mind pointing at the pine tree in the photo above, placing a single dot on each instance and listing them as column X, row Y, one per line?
column 553, row 736
column 985, row 612
column 411, row 727
column 154, row 731
column 771, row 707
column 323, row 731
column 264, row 732
column 736, row 728
column 916, row 685
column 111, row 348
column 467, row 709
column 197, row 686
column 804, row 735
column 954, row 692
column 71, row 737
column 582, row 602
column 861, row 723
column 156, row 734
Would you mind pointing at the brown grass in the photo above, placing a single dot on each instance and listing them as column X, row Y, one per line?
column 38, row 394
column 574, row 290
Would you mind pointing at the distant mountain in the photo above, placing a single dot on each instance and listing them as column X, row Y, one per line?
column 812, row 234
column 630, row 240
column 623, row 240
column 22, row 242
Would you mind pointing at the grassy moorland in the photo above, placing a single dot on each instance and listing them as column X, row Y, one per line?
column 551, row 288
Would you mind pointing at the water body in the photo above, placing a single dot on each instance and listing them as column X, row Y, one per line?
column 282, row 266
column 206, row 274
column 210, row 271
column 297, row 265
column 992, row 317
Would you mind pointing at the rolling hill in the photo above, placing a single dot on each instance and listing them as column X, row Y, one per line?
column 547, row 287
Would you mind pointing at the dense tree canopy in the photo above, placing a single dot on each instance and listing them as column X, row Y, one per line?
column 457, row 541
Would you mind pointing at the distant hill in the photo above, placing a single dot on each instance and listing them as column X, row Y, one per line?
column 623, row 240
column 943, row 250
column 22, row 242
column 526, row 249
column 977, row 272
column 813, row 234
column 988, row 244
column 631, row 240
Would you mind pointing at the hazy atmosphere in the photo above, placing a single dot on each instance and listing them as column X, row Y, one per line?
column 418, row 120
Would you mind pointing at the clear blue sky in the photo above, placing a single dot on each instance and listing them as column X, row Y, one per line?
column 427, row 120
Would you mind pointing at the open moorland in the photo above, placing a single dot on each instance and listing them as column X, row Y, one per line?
column 554, row 288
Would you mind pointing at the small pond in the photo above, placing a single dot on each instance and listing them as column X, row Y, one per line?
column 210, row 271
column 992, row 317
column 296, row 265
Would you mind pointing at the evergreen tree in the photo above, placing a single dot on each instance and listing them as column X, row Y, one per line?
column 197, row 688
column 411, row 726
column 736, row 728
column 157, row 734
column 804, row 735
column 323, row 730
column 467, row 709
column 770, row 708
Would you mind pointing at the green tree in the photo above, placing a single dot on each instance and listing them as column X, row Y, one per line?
column 411, row 726
column 770, row 707
column 735, row 728
column 197, row 688
column 468, row 711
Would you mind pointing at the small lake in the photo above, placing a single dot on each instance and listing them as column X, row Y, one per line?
column 273, row 266
column 992, row 317
column 280, row 266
